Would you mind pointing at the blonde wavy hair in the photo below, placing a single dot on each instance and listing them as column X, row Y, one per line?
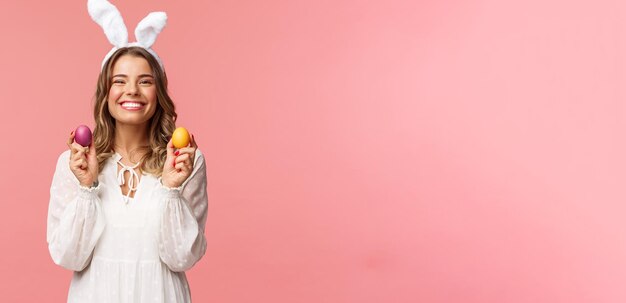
column 161, row 125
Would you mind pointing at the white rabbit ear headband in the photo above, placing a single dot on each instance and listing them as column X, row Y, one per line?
column 109, row 18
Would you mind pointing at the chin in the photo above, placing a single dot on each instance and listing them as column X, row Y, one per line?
column 131, row 121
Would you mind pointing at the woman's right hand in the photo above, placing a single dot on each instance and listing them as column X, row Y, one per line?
column 83, row 162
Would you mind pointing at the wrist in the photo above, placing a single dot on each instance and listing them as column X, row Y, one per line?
column 94, row 184
column 165, row 184
column 87, row 192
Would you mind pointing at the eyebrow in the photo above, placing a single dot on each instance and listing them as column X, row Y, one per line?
column 140, row 76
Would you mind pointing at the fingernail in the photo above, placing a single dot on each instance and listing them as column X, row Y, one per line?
column 174, row 163
column 176, row 153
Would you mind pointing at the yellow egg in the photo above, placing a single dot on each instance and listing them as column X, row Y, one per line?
column 180, row 137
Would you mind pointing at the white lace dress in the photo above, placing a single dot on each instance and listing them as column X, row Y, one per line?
column 127, row 251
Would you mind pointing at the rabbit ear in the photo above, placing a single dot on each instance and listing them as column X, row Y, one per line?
column 149, row 28
column 109, row 18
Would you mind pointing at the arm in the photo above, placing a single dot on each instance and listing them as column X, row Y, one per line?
column 75, row 218
column 181, row 241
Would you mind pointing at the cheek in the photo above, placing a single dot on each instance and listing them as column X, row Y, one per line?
column 151, row 95
column 114, row 93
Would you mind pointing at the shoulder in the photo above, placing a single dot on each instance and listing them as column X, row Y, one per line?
column 63, row 165
column 65, row 154
column 64, row 159
column 199, row 157
column 198, row 163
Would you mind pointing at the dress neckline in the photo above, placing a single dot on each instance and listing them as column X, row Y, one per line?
column 133, row 180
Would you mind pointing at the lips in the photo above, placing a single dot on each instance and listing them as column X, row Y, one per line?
column 132, row 105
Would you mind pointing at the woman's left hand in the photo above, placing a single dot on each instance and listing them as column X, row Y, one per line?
column 178, row 164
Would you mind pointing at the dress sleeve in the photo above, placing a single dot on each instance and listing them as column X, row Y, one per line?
column 181, row 240
column 75, row 218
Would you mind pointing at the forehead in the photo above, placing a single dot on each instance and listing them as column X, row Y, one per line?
column 131, row 65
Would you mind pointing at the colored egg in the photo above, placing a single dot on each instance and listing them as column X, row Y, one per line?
column 82, row 135
column 180, row 137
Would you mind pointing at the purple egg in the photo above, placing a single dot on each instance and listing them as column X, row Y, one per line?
column 82, row 135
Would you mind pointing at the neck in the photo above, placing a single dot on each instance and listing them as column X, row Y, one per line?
column 129, row 138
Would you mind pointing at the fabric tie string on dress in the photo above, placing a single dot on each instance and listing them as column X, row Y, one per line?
column 131, row 181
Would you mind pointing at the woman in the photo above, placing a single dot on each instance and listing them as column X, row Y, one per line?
column 127, row 214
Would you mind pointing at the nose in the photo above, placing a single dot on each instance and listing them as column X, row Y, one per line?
column 132, row 89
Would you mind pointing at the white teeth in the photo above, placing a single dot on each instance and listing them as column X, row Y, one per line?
column 132, row 105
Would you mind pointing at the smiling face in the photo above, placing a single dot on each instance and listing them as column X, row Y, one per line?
column 132, row 98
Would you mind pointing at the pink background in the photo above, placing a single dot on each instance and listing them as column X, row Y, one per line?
column 357, row 151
